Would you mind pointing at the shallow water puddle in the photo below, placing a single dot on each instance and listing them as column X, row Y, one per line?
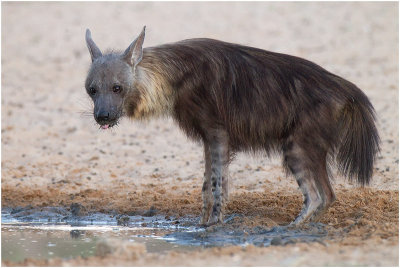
column 65, row 241
column 54, row 232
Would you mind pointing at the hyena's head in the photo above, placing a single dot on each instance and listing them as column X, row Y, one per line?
column 111, row 78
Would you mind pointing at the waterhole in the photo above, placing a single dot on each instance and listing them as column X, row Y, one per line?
column 56, row 232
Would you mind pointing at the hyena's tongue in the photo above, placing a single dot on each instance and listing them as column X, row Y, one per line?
column 105, row 126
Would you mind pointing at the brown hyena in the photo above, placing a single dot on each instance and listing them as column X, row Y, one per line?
column 237, row 98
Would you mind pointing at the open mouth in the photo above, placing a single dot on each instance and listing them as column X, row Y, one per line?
column 108, row 126
column 108, row 123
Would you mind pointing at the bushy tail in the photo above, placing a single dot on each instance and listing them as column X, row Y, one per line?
column 359, row 140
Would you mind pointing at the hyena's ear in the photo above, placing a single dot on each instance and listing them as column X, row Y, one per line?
column 133, row 54
column 93, row 49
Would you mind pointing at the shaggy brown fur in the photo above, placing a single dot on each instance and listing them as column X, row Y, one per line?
column 237, row 98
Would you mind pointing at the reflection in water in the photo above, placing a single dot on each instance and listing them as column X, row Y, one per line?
column 50, row 241
column 19, row 242
column 76, row 233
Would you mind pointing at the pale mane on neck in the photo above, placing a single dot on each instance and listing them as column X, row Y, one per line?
column 152, row 95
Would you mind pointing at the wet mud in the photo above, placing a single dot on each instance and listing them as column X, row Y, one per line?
column 258, row 236
column 54, row 232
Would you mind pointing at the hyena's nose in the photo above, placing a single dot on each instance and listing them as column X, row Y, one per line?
column 102, row 116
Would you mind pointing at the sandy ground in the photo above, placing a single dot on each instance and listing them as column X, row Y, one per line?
column 53, row 154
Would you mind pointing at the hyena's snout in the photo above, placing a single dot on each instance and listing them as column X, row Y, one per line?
column 106, row 117
column 107, row 110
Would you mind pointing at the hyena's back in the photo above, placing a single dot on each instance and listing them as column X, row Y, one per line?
column 266, row 100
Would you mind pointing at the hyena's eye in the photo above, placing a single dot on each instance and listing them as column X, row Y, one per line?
column 92, row 91
column 117, row 88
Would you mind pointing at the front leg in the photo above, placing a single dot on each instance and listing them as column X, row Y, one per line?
column 219, row 151
column 206, row 190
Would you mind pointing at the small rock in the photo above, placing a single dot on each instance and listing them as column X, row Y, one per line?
column 76, row 209
column 276, row 241
column 16, row 210
column 71, row 129
column 123, row 220
column 94, row 158
column 75, row 233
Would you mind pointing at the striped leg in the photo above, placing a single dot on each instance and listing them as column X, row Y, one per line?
column 312, row 178
column 206, row 190
column 219, row 150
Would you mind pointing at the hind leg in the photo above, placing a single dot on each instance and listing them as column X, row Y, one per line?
column 325, row 189
column 309, row 169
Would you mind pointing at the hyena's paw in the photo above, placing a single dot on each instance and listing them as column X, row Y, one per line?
column 204, row 220
column 213, row 221
column 301, row 220
column 210, row 222
column 215, row 218
column 310, row 213
column 205, row 214
column 319, row 213
column 208, row 218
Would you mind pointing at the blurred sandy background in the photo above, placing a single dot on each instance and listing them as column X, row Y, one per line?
column 52, row 148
